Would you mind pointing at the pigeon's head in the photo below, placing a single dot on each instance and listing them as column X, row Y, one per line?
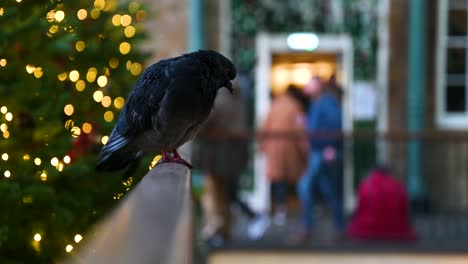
column 222, row 68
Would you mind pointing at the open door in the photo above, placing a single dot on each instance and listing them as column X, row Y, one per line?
column 280, row 63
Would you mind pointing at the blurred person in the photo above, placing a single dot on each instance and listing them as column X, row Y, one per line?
column 383, row 209
column 285, row 157
column 223, row 160
column 324, row 119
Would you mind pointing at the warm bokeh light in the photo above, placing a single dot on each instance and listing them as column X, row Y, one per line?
column 37, row 161
column 125, row 20
column 80, row 85
column 26, row 157
column 6, row 134
column 82, row 14
column 125, row 47
column 87, row 128
column 62, row 76
column 129, row 31
column 67, row 159
column 91, row 75
column 59, row 16
column 37, row 237
column 133, row 7
column 80, row 46
column 5, row 156
column 3, row 127
column 102, row 81
column 74, row 76
column 95, row 13
column 3, row 62
column 30, row 68
column 54, row 161
column 106, row 101
column 76, row 131
column 69, row 248
column 119, row 102
column 43, row 176
column 38, row 72
column 69, row 109
column 97, row 96
column 104, row 139
column 78, row 238
column 108, row 116
column 69, row 124
column 114, row 63
column 116, row 20
column 3, row 109
column 9, row 116
column 136, row 68
column 100, row 4
column 7, row 174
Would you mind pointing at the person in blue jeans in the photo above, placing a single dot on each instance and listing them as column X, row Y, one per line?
column 322, row 172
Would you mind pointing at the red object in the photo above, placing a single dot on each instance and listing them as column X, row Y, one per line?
column 176, row 158
column 383, row 210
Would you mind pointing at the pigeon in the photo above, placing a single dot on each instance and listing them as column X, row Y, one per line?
column 166, row 108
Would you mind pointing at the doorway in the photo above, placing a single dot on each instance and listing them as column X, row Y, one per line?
column 279, row 65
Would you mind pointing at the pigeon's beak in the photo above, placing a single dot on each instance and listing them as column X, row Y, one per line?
column 229, row 87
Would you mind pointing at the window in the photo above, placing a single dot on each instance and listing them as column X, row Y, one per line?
column 452, row 70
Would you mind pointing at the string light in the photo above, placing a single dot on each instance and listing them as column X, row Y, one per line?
column 43, row 176
column 119, row 102
column 62, row 76
column 99, row 4
column 82, row 14
column 67, row 159
column 74, row 76
column 80, row 46
column 114, row 62
column 3, row 109
column 125, row 20
column 68, row 109
column 38, row 72
column 87, row 128
column 129, row 31
column 30, row 68
column 97, row 96
column 106, row 101
column 80, row 85
column 78, row 238
column 69, row 248
column 37, row 161
column 104, row 139
column 108, row 116
column 26, row 157
column 3, row 62
column 6, row 134
column 76, row 131
column 7, row 174
column 5, row 156
column 37, row 237
column 136, row 68
column 69, row 124
column 2, row 11
column 3, row 127
column 95, row 13
column 60, row 166
column 125, row 48
column 133, row 7
column 116, row 20
column 102, row 81
column 9, row 116
column 59, row 16
column 91, row 75
column 54, row 161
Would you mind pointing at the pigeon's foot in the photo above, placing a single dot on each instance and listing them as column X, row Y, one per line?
column 176, row 158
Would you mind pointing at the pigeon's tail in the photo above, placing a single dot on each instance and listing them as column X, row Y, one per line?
column 117, row 155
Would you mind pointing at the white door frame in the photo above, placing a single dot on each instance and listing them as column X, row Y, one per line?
column 268, row 44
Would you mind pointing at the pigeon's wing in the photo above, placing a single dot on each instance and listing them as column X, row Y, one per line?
column 136, row 117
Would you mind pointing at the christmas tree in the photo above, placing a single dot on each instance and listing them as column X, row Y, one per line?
column 65, row 69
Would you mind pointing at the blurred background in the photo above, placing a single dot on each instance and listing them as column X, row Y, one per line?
column 345, row 137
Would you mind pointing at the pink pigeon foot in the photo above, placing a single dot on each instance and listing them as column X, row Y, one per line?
column 176, row 158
